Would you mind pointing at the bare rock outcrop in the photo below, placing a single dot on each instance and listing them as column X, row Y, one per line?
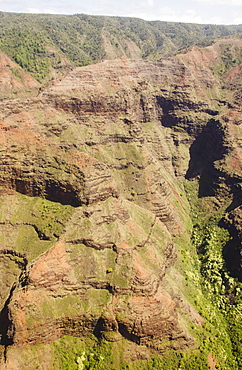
column 94, row 275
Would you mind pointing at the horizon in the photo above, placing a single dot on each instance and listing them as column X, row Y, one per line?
column 119, row 16
column 221, row 12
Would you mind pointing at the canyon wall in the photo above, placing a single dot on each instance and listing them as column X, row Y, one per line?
column 95, row 215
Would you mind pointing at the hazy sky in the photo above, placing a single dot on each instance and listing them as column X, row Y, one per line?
column 195, row 11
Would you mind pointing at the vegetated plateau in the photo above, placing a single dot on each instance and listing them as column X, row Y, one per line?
column 120, row 194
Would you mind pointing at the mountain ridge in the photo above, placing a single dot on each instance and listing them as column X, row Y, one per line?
column 39, row 42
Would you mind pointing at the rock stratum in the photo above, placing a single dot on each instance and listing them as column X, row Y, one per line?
column 95, row 223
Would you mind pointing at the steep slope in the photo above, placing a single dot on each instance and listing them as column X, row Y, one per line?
column 100, row 238
column 39, row 42
column 14, row 80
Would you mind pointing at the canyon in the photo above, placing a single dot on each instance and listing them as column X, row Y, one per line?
column 107, row 174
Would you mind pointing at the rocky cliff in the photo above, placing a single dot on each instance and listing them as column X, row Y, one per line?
column 105, row 177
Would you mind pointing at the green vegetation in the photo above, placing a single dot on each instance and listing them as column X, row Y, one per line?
column 27, row 48
column 216, row 295
column 35, row 223
column 38, row 43
column 90, row 354
column 231, row 56
column 77, row 354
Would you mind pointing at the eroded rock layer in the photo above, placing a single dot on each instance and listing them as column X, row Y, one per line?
column 92, row 198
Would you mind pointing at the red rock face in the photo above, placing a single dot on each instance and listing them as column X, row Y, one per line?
column 112, row 142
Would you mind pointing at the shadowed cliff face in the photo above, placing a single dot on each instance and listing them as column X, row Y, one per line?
column 209, row 147
column 92, row 198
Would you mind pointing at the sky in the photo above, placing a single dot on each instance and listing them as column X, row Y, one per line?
column 191, row 11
